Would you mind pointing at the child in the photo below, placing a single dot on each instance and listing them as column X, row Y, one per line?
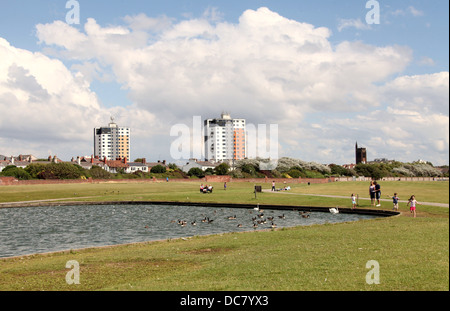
column 395, row 202
column 412, row 202
column 353, row 201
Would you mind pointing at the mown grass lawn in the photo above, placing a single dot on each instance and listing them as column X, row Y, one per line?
column 412, row 253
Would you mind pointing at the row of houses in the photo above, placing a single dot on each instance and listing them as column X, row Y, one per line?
column 112, row 166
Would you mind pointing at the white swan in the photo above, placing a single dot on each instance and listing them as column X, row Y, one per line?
column 334, row 210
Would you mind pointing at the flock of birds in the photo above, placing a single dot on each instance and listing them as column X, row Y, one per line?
column 258, row 220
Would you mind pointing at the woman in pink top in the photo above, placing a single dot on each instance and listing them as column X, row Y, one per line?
column 412, row 205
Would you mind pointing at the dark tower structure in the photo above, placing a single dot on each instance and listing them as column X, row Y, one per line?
column 361, row 154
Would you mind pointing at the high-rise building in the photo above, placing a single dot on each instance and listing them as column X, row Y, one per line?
column 112, row 141
column 361, row 154
column 225, row 138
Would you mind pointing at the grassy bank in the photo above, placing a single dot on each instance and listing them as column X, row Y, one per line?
column 412, row 253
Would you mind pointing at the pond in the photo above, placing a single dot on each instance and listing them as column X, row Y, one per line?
column 30, row 230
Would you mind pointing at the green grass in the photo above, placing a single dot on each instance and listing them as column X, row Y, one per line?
column 413, row 253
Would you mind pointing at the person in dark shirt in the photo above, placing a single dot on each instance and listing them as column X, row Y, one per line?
column 377, row 193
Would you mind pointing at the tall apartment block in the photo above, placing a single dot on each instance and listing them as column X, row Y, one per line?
column 225, row 138
column 112, row 141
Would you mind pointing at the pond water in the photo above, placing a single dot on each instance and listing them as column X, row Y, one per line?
column 31, row 230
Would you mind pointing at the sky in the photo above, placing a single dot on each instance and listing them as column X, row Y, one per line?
column 327, row 73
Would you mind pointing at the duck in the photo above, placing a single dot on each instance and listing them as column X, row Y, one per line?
column 334, row 210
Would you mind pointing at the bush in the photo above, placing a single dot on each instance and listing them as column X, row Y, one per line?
column 60, row 171
column 158, row 169
column 294, row 173
column 222, row 169
column 197, row 172
column 17, row 172
column 35, row 169
column 97, row 172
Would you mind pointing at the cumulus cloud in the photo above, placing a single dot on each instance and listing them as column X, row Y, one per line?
column 266, row 68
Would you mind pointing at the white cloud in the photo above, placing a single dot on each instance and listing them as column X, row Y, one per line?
column 265, row 68
column 414, row 11
column 352, row 23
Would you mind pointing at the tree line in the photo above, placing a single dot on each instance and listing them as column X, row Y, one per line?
column 247, row 168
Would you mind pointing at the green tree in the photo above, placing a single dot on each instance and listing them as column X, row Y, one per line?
column 158, row 169
column 60, row 171
column 196, row 171
column 97, row 172
column 34, row 169
column 17, row 172
column 222, row 169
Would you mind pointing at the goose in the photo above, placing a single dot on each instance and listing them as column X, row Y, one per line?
column 232, row 217
column 334, row 210
column 273, row 225
column 305, row 215
column 270, row 218
column 239, row 225
column 194, row 223
column 210, row 220
column 282, row 217
column 255, row 225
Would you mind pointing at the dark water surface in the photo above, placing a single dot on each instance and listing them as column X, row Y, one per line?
column 31, row 230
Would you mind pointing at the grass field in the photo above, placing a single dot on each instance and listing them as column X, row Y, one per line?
column 413, row 253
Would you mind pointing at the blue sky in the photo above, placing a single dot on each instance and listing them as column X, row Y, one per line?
column 410, row 44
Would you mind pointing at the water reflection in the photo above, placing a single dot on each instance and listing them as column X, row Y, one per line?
column 46, row 229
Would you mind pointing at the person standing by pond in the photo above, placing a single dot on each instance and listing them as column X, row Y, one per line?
column 412, row 202
column 372, row 193
column 273, row 185
column 353, row 201
column 377, row 192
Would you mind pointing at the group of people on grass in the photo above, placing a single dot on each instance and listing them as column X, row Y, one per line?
column 285, row 188
column 206, row 189
column 375, row 196
column 374, row 193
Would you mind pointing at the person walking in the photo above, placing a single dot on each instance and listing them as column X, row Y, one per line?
column 377, row 193
column 225, row 186
column 395, row 202
column 412, row 202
